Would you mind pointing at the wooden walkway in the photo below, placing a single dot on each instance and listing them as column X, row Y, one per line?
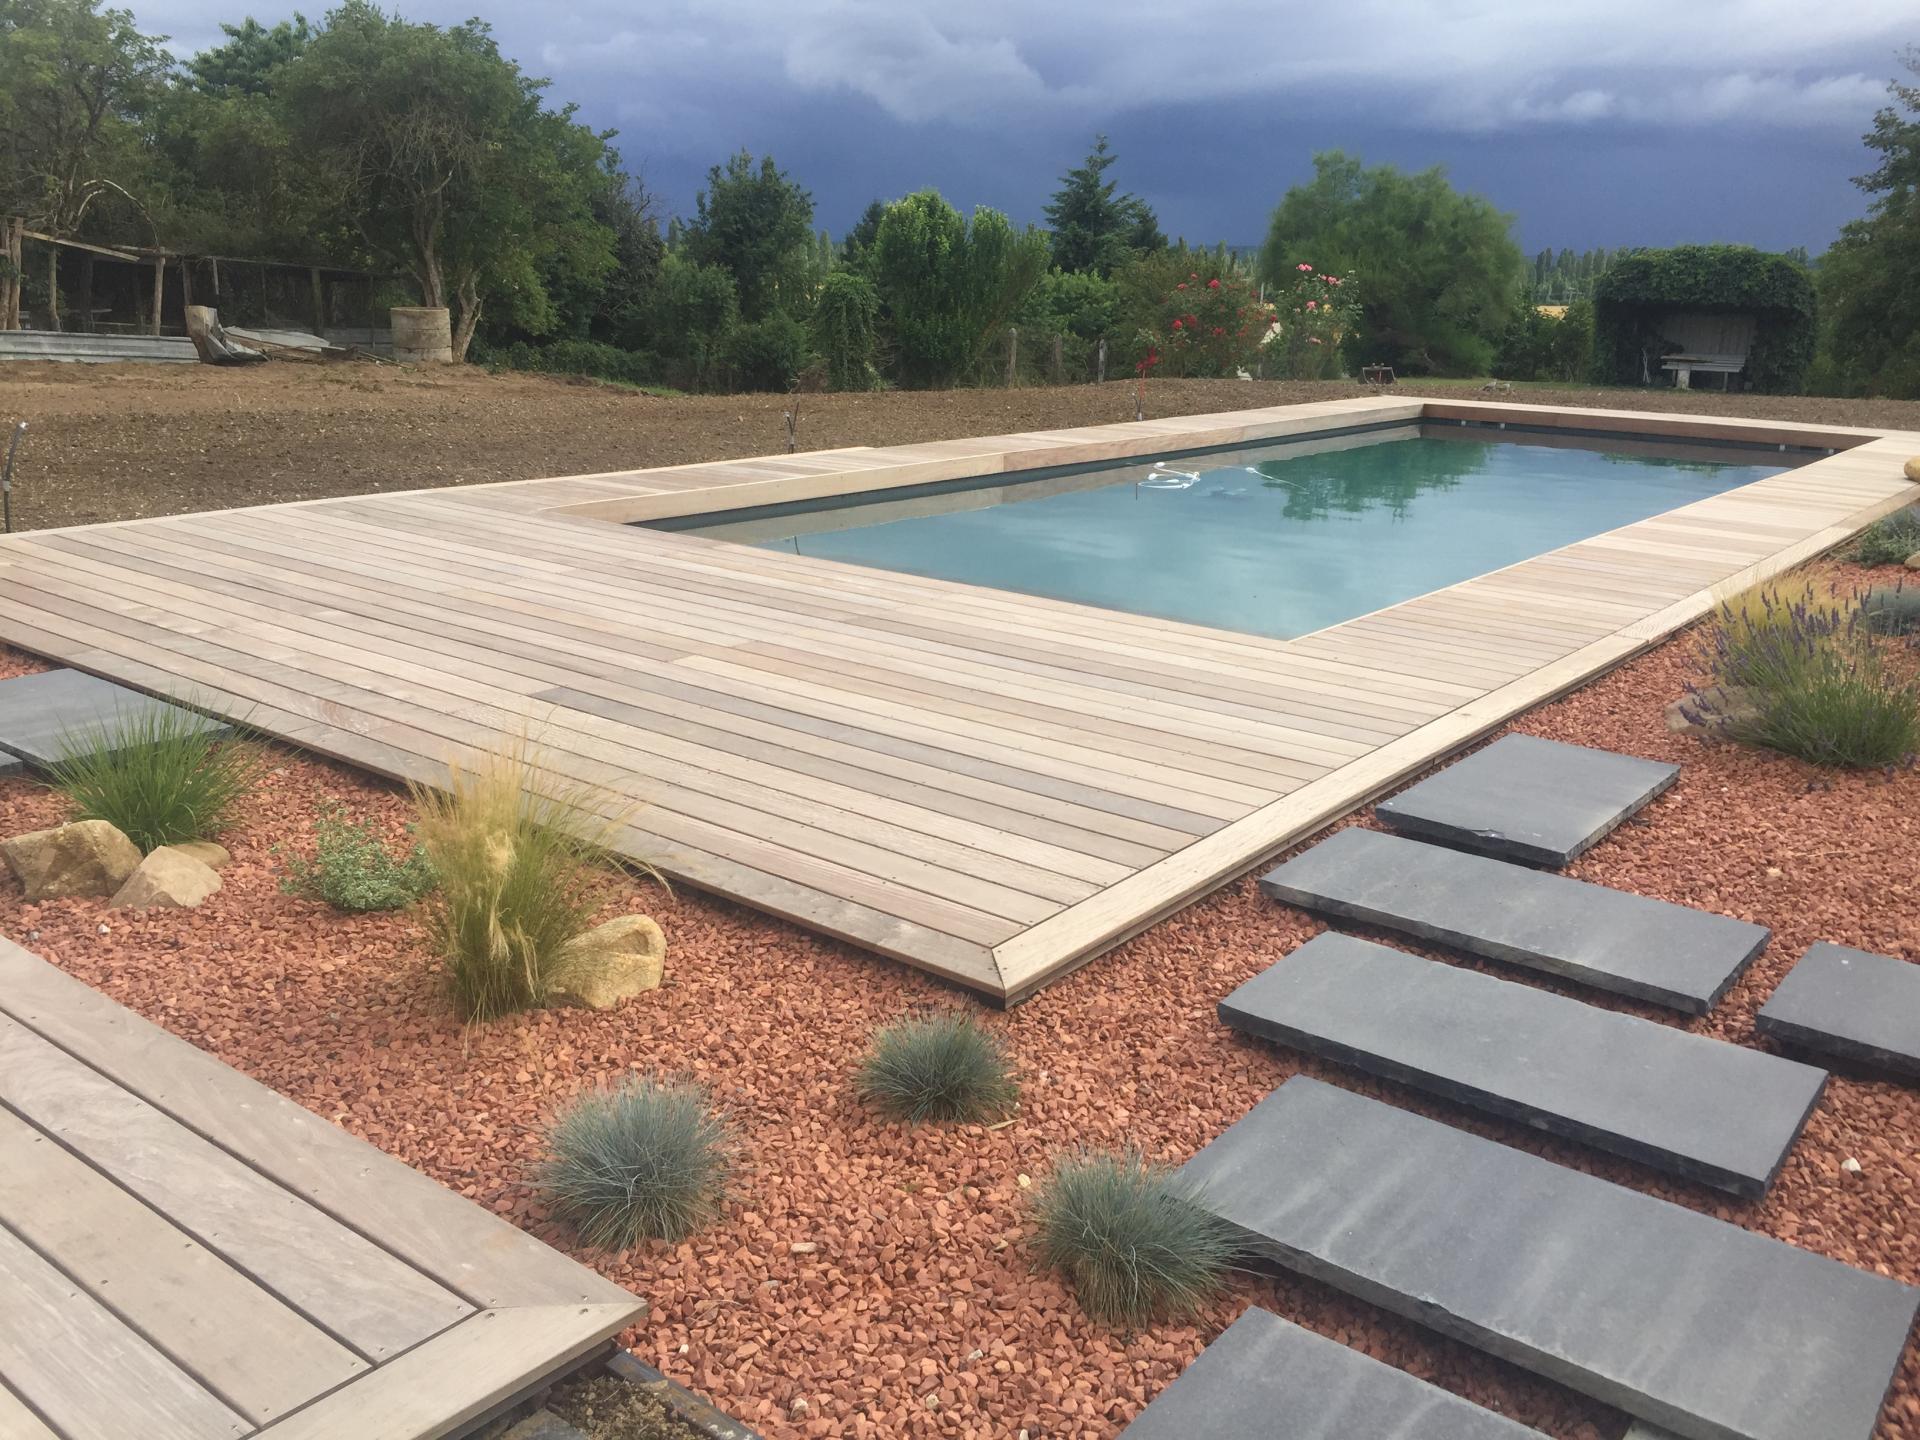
column 185, row 1254
column 989, row 785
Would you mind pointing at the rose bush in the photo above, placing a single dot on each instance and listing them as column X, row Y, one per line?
column 1313, row 311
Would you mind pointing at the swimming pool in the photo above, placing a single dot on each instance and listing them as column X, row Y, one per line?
column 1276, row 540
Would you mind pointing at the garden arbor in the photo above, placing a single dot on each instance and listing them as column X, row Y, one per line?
column 1726, row 310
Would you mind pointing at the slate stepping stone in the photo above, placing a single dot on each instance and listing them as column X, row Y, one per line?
column 1522, row 798
column 1609, row 939
column 38, row 713
column 9, row 765
column 1700, row 1108
column 1263, row 1368
column 1692, row 1324
column 1850, row 1003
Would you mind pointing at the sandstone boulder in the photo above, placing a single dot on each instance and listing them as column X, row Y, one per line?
column 611, row 963
column 89, row 857
column 168, row 878
column 214, row 857
column 1912, row 469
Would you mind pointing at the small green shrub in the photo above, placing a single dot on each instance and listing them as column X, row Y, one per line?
column 1804, row 675
column 518, row 856
column 352, row 870
column 156, row 773
column 1131, row 1237
column 1890, row 539
column 647, row 1160
column 574, row 357
column 937, row 1067
column 766, row 354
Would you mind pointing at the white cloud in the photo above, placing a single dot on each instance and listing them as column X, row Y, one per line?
column 1473, row 65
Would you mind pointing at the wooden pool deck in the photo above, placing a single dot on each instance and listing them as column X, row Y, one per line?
column 992, row 786
column 186, row 1255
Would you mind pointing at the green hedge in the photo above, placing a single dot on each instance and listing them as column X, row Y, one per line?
column 1630, row 298
column 573, row 357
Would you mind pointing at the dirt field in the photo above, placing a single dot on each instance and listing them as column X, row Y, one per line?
column 122, row 441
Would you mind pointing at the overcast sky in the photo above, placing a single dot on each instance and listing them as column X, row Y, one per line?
column 1648, row 122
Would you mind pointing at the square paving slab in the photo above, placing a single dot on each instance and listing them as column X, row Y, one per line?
column 1522, row 798
column 1700, row 1108
column 1609, row 939
column 1263, row 1368
column 39, row 713
column 1700, row 1327
column 1850, row 1003
column 1677, row 1318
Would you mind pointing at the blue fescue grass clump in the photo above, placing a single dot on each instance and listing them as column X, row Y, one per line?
column 1131, row 1237
column 646, row 1160
column 157, row 773
column 942, row 1067
column 1805, row 675
column 1890, row 539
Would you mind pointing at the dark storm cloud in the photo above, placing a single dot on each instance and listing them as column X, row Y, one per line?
column 1634, row 121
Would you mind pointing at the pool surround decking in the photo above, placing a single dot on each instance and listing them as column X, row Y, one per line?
column 992, row 786
column 185, row 1254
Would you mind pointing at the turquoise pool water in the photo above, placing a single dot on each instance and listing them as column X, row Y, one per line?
column 1277, row 541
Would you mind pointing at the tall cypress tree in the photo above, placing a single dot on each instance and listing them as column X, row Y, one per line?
column 1094, row 229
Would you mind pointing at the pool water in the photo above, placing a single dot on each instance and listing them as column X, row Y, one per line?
column 1275, row 541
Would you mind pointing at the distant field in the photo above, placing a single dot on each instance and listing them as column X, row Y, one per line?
column 118, row 442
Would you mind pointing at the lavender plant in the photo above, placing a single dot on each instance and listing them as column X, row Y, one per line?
column 1802, row 674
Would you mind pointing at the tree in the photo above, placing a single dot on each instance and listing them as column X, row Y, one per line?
column 1439, row 272
column 757, row 224
column 437, row 150
column 856, row 251
column 949, row 287
column 251, row 59
column 73, row 80
column 1094, row 228
column 1870, row 279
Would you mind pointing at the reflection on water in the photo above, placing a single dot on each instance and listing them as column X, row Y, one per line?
column 1273, row 541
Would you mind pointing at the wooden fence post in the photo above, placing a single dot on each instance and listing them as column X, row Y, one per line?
column 1100, row 372
column 1058, row 364
column 159, row 288
column 1013, row 352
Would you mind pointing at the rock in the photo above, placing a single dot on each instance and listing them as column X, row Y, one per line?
column 611, row 963
column 167, row 878
column 543, row 1425
column 1912, row 562
column 1709, row 711
column 214, row 857
column 90, row 857
column 1850, row 1165
column 1912, row 469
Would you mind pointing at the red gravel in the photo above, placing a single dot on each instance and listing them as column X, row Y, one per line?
column 919, row 1312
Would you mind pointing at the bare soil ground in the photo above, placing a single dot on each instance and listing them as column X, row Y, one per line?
column 123, row 441
column 874, row 1281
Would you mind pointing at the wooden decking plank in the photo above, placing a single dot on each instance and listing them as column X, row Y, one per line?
column 90, row 1375
column 464, row 1247
column 249, row 1349
column 780, row 783
column 344, row 1283
column 17, row 1422
column 704, row 794
column 1013, row 745
column 458, row 1377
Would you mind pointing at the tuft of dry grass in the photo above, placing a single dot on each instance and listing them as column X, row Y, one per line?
column 519, row 854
